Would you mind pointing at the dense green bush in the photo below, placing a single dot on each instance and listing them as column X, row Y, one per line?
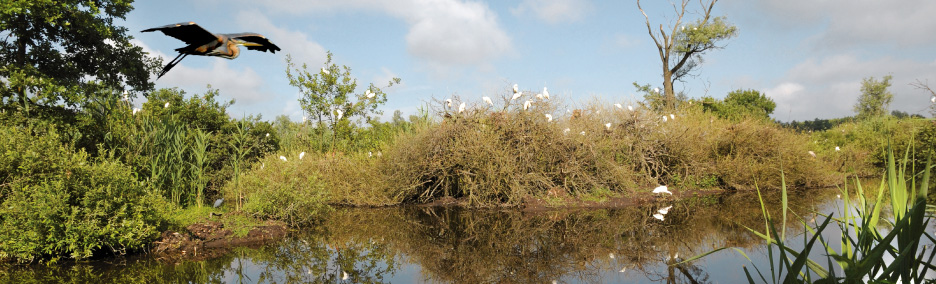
column 741, row 104
column 59, row 202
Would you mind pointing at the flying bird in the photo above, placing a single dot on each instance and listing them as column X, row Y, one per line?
column 203, row 42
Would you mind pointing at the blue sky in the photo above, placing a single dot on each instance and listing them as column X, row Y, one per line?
column 808, row 56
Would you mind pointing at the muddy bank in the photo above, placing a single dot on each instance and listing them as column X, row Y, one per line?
column 210, row 239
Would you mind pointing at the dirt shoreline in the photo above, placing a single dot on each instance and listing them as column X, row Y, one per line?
column 206, row 240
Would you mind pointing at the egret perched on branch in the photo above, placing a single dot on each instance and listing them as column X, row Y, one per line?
column 461, row 107
column 548, row 117
column 656, row 90
column 487, row 100
column 664, row 118
column 618, row 106
column 516, row 95
column 368, row 94
column 539, row 96
column 448, row 103
column 545, row 93
column 166, row 105
column 527, row 104
column 340, row 114
column 301, row 155
column 516, row 88
column 608, row 126
column 630, row 107
column 933, row 99
column 325, row 71
column 203, row 42
column 661, row 189
column 837, row 148
column 283, row 158
column 811, row 153
column 658, row 216
column 664, row 210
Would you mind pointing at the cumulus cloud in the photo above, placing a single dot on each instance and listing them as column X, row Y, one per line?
column 441, row 32
column 829, row 87
column 846, row 22
column 554, row 11
column 295, row 43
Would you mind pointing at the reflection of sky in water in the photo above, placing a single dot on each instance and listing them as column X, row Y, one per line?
column 432, row 245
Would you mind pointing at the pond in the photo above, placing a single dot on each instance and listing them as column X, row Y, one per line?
column 439, row 244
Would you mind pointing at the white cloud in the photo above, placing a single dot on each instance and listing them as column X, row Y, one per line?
column 443, row 33
column 829, row 87
column 847, row 22
column 295, row 43
column 554, row 11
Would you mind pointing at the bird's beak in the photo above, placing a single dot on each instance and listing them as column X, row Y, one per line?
column 251, row 44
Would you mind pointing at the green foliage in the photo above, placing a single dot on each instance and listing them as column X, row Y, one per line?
column 693, row 39
column 59, row 202
column 52, row 47
column 874, row 99
column 863, row 243
column 329, row 100
column 282, row 190
column 741, row 104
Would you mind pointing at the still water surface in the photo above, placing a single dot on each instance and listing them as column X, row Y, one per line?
column 452, row 245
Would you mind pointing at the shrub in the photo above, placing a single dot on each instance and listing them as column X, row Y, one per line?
column 287, row 191
column 57, row 202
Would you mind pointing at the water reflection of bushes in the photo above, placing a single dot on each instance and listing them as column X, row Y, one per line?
column 458, row 245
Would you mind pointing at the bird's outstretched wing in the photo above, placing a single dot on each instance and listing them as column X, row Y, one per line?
column 263, row 44
column 190, row 32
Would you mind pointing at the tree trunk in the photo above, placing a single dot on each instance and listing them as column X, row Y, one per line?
column 669, row 95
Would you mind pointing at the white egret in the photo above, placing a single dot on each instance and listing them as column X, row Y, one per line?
column 448, row 103
column 630, row 107
column 487, row 100
column 583, row 133
column 656, row 90
column 516, row 89
column 461, row 107
column 368, row 94
column 811, row 153
column 135, row 111
column 608, row 126
column 661, row 189
column 218, row 202
column 527, row 104
column 262, row 165
column 933, row 99
column 304, row 119
column 658, row 216
column 671, row 116
column 664, row 210
column 340, row 114
column 545, row 93
column 370, row 154
column 516, row 96
column 623, row 269
column 301, row 155
column 325, row 71
column 539, row 96
column 611, row 255
column 344, row 275
column 283, row 158
column 618, row 106
column 548, row 117
column 268, row 134
column 166, row 105
column 566, row 131
column 664, row 118
column 837, row 148
column 684, row 28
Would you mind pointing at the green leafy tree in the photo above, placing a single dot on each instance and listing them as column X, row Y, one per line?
column 329, row 98
column 741, row 103
column 58, row 52
column 654, row 99
column 681, row 46
column 875, row 98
